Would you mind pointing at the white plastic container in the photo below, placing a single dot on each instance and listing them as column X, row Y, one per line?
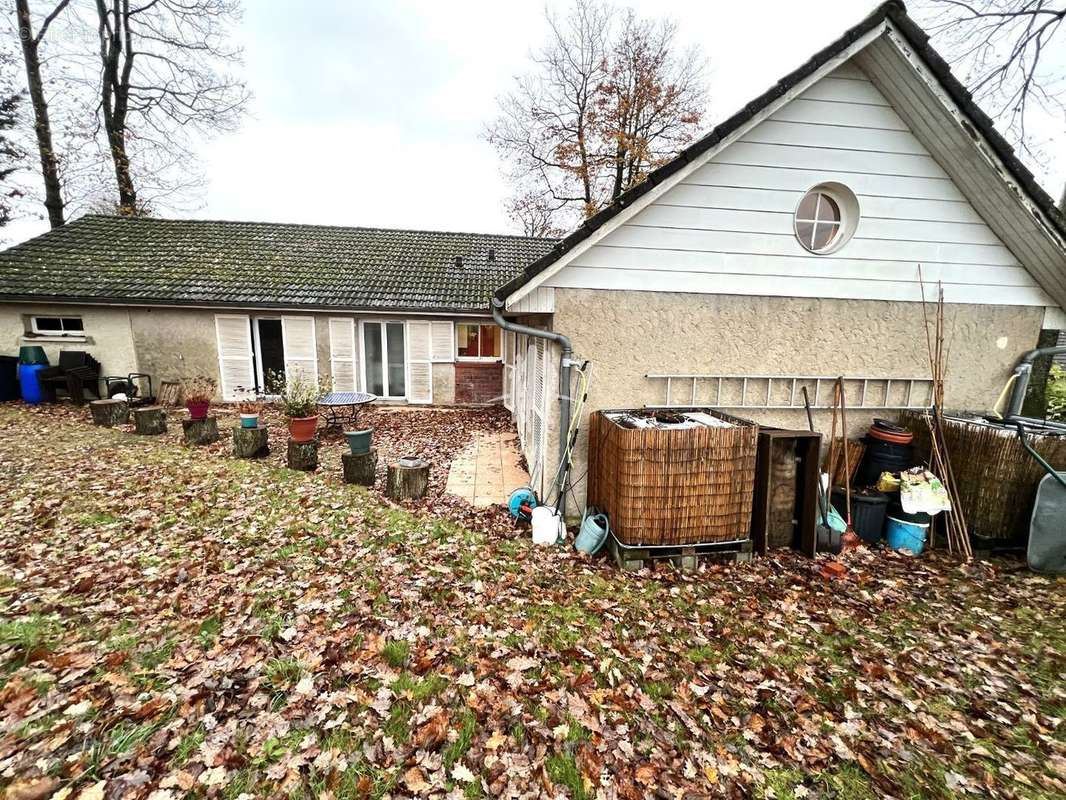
column 547, row 525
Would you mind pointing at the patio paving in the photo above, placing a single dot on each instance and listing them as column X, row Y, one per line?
column 486, row 471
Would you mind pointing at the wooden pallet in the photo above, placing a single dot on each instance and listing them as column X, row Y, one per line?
column 684, row 557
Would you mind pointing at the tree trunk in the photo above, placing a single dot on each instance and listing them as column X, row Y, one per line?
column 42, row 126
column 110, row 413
column 407, row 481
column 150, row 420
column 200, row 431
column 360, row 468
column 250, row 442
column 303, row 455
column 1035, row 404
column 114, row 40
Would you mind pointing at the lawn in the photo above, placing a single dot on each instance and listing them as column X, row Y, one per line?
column 175, row 623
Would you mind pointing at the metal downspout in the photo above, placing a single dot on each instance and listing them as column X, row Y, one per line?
column 564, row 382
column 1022, row 372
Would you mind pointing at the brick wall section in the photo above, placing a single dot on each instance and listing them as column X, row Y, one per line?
column 478, row 382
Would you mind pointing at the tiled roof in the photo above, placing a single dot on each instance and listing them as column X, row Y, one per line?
column 191, row 262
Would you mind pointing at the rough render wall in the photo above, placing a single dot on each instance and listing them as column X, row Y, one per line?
column 175, row 343
column 109, row 337
column 627, row 334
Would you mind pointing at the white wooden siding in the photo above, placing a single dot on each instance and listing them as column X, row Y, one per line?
column 540, row 301
column 727, row 228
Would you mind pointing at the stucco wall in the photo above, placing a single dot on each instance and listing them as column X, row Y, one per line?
column 627, row 334
column 175, row 343
column 108, row 335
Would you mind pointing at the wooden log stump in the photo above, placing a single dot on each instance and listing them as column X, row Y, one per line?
column 303, row 455
column 150, row 420
column 110, row 413
column 250, row 442
column 408, row 479
column 360, row 468
column 200, row 431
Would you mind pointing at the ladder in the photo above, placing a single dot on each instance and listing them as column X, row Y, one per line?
column 786, row 391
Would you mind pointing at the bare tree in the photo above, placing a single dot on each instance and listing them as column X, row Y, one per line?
column 608, row 100
column 12, row 154
column 163, row 79
column 1009, row 52
column 31, row 46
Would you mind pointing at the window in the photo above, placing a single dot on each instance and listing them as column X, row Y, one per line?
column 58, row 326
column 826, row 218
column 477, row 341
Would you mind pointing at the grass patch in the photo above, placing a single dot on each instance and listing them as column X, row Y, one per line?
column 396, row 652
column 562, row 769
column 30, row 638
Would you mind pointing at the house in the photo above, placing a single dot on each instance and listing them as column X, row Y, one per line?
column 792, row 244
column 787, row 245
column 401, row 314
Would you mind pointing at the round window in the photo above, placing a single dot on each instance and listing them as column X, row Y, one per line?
column 826, row 218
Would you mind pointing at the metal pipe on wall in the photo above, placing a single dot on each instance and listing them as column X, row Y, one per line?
column 564, row 383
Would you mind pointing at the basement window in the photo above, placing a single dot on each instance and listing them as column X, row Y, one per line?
column 477, row 342
column 58, row 326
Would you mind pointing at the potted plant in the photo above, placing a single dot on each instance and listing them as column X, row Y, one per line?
column 250, row 411
column 198, row 392
column 297, row 396
column 359, row 441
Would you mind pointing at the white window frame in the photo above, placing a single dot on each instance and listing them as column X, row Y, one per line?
column 60, row 333
column 482, row 359
column 384, row 357
column 848, row 206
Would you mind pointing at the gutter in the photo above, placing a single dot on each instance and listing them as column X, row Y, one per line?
column 565, row 363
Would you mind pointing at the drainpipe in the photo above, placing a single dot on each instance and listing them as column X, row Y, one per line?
column 564, row 382
column 1022, row 372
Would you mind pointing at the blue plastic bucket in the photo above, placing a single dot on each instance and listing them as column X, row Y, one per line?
column 906, row 535
column 29, row 381
column 593, row 534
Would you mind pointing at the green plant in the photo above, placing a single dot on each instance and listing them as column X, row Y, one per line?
column 297, row 394
column 199, row 389
column 1056, row 394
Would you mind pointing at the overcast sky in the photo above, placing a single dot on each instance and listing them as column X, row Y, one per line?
column 371, row 113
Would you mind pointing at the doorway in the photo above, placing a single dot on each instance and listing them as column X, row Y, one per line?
column 384, row 359
column 269, row 351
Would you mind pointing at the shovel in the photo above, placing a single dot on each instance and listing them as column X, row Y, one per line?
column 822, row 531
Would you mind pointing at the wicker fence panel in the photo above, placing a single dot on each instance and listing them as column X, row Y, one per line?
column 673, row 486
column 997, row 479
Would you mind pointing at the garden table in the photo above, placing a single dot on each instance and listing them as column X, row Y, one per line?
column 342, row 408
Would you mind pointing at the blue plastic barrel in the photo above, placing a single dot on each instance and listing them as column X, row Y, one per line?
column 906, row 535
column 28, row 381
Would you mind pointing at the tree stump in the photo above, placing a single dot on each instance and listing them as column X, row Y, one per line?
column 408, row 479
column 303, row 455
column 110, row 413
column 360, row 468
column 150, row 420
column 250, row 442
column 200, row 431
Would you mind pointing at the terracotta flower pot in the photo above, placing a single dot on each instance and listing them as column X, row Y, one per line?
column 302, row 429
column 198, row 408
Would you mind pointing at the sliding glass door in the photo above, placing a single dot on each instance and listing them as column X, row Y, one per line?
column 384, row 359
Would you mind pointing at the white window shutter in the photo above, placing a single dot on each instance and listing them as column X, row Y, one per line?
column 419, row 362
column 235, row 361
column 298, row 340
column 343, row 358
column 443, row 341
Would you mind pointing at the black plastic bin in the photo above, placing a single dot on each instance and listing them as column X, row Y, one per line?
column 868, row 512
column 881, row 456
column 9, row 381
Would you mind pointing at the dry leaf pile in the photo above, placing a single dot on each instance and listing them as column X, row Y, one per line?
column 175, row 623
